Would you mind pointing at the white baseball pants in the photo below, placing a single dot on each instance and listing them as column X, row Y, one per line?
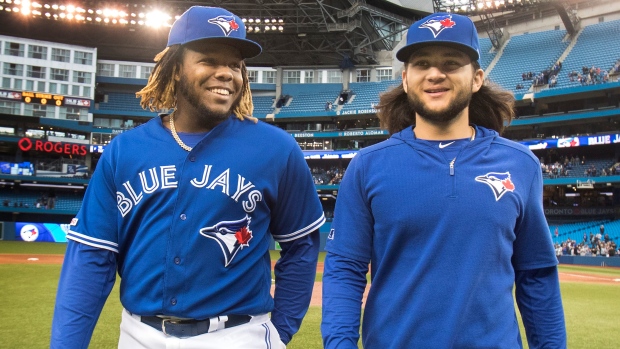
column 259, row 333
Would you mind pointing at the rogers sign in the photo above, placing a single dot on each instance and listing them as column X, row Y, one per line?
column 26, row 144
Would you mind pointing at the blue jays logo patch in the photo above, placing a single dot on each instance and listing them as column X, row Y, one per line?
column 500, row 183
column 438, row 23
column 227, row 23
column 232, row 236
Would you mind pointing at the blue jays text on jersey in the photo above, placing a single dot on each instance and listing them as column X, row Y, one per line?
column 192, row 229
column 163, row 177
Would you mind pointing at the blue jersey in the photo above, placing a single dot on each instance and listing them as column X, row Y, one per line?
column 444, row 233
column 191, row 230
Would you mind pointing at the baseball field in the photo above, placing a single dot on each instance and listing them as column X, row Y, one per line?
column 29, row 276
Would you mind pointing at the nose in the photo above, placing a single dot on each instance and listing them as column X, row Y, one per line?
column 435, row 74
column 224, row 73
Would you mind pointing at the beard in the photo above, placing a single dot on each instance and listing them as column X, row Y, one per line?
column 207, row 117
column 440, row 116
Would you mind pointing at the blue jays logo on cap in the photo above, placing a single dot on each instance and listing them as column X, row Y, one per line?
column 438, row 23
column 212, row 25
column 499, row 182
column 443, row 29
column 227, row 23
column 232, row 236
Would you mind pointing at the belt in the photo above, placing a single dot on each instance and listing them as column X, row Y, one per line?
column 189, row 328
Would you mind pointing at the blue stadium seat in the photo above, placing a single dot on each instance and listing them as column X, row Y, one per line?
column 533, row 52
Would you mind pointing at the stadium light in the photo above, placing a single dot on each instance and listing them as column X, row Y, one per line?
column 118, row 14
column 476, row 7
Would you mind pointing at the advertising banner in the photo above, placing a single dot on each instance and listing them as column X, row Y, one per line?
column 41, row 232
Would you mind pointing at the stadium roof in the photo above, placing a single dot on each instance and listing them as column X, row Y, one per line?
column 314, row 32
column 341, row 33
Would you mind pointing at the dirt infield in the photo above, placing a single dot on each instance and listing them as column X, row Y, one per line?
column 588, row 278
column 316, row 293
column 31, row 258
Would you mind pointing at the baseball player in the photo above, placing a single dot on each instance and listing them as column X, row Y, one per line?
column 448, row 213
column 184, row 206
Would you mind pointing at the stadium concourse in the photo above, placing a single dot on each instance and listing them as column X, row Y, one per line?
column 63, row 100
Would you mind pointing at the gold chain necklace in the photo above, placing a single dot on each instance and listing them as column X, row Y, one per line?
column 176, row 136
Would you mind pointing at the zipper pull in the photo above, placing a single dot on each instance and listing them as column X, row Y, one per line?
column 452, row 167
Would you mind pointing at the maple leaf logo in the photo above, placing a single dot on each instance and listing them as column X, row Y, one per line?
column 508, row 184
column 243, row 235
column 447, row 22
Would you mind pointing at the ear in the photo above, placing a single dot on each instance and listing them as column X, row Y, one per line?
column 177, row 73
column 404, row 78
column 478, row 80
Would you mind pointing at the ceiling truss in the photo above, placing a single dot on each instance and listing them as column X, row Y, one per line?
column 316, row 32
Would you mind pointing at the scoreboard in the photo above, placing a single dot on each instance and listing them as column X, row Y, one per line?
column 44, row 98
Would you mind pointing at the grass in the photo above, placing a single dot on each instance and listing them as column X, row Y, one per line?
column 28, row 293
column 20, row 247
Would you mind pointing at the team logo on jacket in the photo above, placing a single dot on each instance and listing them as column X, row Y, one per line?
column 500, row 183
column 437, row 24
column 227, row 23
column 232, row 236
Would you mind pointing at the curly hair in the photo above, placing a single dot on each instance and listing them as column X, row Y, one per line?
column 491, row 107
column 160, row 90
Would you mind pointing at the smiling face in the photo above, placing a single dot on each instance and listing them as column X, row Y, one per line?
column 439, row 82
column 209, row 82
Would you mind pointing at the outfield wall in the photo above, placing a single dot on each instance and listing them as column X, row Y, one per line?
column 590, row 260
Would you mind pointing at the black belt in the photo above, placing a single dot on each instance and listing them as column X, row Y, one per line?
column 189, row 328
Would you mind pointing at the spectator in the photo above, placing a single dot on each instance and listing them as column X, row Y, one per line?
column 328, row 105
column 51, row 199
column 553, row 81
column 572, row 75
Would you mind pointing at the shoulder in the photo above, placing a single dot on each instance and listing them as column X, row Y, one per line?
column 380, row 148
column 512, row 148
column 263, row 133
column 139, row 137
column 135, row 134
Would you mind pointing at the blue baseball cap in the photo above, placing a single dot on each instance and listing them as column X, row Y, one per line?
column 445, row 29
column 215, row 25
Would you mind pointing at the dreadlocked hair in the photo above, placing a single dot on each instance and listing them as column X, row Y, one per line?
column 160, row 90
column 491, row 107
